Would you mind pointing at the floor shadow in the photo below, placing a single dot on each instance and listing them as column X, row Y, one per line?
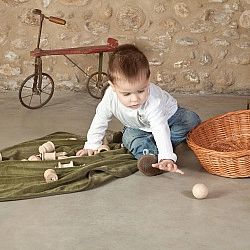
column 211, row 195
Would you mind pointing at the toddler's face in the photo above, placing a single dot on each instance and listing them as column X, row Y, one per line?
column 132, row 94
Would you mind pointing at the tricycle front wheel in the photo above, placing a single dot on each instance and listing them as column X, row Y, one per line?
column 32, row 95
column 96, row 84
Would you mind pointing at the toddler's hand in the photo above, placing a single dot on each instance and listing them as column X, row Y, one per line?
column 86, row 152
column 167, row 165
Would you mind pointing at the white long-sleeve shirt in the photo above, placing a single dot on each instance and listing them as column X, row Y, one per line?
column 152, row 116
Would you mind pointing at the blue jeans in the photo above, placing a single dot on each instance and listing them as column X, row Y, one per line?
column 140, row 142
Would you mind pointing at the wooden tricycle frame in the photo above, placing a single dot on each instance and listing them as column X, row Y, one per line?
column 37, row 89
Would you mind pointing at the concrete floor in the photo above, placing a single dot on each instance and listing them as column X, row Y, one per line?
column 134, row 213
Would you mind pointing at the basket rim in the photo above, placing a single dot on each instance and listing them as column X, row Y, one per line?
column 237, row 153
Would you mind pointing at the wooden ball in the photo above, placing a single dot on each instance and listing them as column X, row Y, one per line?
column 200, row 191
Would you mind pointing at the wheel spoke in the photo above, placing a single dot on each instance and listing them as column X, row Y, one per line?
column 30, row 99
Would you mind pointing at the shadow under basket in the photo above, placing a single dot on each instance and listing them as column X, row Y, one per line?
column 222, row 144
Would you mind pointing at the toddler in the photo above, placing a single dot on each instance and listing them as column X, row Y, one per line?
column 154, row 124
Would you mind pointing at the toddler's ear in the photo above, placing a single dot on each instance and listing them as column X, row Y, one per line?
column 112, row 85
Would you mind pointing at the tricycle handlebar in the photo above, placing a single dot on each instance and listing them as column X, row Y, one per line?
column 51, row 18
column 57, row 20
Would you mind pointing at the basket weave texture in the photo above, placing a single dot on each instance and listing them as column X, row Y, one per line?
column 222, row 144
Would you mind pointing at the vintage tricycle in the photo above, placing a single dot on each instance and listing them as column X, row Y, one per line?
column 37, row 89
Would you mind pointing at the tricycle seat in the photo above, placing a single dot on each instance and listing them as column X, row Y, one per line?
column 111, row 44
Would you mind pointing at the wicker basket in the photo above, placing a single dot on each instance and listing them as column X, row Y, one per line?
column 222, row 144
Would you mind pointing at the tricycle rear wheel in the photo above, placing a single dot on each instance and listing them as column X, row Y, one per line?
column 96, row 84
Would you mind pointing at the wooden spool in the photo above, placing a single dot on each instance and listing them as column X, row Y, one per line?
column 51, row 156
column 47, row 147
column 50, row 175
column 103, row 148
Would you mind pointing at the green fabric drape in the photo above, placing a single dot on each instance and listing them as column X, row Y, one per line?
column 25, row 180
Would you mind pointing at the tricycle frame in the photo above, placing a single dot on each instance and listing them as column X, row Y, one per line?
column 38, row 88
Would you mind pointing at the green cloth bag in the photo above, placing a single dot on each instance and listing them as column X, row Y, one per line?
column 25, row 179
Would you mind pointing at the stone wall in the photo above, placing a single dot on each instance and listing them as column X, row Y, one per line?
column 200, row 46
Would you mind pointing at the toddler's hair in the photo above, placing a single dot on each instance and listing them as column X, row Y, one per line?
column 128, row 62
